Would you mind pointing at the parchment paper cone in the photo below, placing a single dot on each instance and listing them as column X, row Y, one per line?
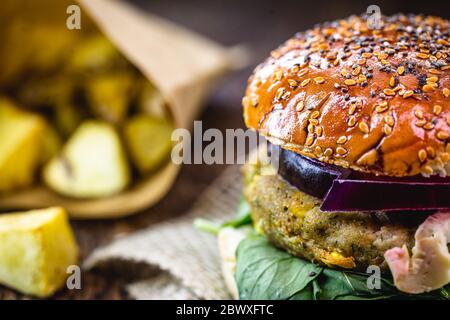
column 182, row 65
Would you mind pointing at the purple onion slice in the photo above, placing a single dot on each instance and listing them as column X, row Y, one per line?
column 346, row 190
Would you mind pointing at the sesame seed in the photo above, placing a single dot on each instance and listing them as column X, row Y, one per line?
column 318, row 150
column 381, row 108
column 433, row 79
column 401, row 70
column 433, row 84
column 341, row 151
column 389, row 92
column 302, row 73
column 319, row 80
column 280, row 93
column 309, row 141
column 392, row 81
column 295, row 68
column 292, row 83
column 427, row 170
column 422, row 154
column 286, row 95
column 389, row 120
column 442, row 135
column 363, row 127
column 423, row 55
column 445, row 157
column 300, row 106
column 420, row 123
column 408, row 93
column 431, row 152
column 314, row 121
column 350, row 82
column 341, row 140
column 319, row 131
column 352, row 109
column 382, row 56
column 328, row 152
column 437, row 109
column 446, row 92
column 428, row 126
column 315, row 114
column 356, row 71
column 434, row 71
column 387, row 129
column 352, row 121
column 418, row 114
column 361, row 62
column 305, row 82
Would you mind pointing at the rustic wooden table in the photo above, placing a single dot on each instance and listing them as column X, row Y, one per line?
column 260, row 24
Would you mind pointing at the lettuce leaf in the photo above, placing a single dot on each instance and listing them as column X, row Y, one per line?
column 264, row 272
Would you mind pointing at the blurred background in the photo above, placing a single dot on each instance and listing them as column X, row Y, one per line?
column 265, row 24
column 261, row 25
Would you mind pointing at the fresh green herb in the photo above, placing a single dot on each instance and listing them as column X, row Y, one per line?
column 264, row 272
column 242, row 218
column 207, row 226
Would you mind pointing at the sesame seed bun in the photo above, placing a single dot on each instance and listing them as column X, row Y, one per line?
column 376, row 101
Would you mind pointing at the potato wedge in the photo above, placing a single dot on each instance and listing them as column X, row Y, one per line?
column 92, row 164
column 109, row 95
column 21, row 136
column 67, row 118
column 95, row 53
column 36, row 247
column 51, row 144
column 151, row 101
column 148, row 140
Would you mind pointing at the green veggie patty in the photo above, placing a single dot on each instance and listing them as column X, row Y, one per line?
column 292, row 220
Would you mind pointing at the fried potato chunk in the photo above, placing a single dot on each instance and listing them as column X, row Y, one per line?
column 36, row 247
column 109, row 96
column 20, row 141
column 92, row 163
column 148, row 139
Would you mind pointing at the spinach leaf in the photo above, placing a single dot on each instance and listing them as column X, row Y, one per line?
column 262, row 268
column 264, row 272
column 338, row 284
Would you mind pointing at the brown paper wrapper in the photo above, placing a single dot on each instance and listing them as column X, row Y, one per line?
column 182, row 65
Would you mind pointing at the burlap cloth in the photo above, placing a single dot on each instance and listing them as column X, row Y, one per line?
column 184, row 261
